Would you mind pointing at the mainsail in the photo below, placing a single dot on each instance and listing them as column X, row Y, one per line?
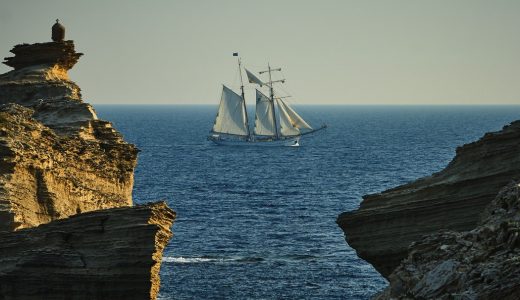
column 290, row 121
column 264, row 120
column 231, row 117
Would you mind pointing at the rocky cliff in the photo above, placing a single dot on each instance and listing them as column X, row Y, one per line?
column 57, row 158
column 67, row 227
column 108, row 254
column 387, row 223
column 483, row 263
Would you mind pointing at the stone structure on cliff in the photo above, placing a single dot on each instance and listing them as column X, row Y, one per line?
column 107, row 254
column 58, row 32
column 483, row 263
column 387, row 223
column 68, row 229
column 58, row 158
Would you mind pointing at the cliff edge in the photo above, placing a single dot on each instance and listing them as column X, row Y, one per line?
column 68, row 229
column 58, row 159
column 387, row 223
column 479, row 264
column 107, row 254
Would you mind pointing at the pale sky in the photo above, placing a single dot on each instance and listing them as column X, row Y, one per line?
column 331, row 52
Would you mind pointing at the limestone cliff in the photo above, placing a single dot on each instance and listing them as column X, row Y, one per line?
column 107, row 254
column 40, row 81
column 67, row 227
column 387, row 223
column 57, row 158
column 483, row 263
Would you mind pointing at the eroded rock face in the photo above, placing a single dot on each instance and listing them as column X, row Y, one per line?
column 60, row 53
column 45, row 176
column 483, row 263
column 57, row 158
column 387, row 223
column 107, row 254
column 62, row 167
column 40, row 81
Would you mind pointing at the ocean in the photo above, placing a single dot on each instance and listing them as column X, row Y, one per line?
column 259, row 223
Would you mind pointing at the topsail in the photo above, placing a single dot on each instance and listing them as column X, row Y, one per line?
column 253, row 79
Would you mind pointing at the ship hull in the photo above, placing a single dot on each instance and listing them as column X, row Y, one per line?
column 288, row 142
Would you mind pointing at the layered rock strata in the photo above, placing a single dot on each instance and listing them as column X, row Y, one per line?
column 483, row 263
column 107, row 254
column 57, row 158
column 40, row 81
column 45, row 176
column 387, row 223
column 67, row 227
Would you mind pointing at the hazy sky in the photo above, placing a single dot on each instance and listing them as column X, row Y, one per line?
column 334, row 52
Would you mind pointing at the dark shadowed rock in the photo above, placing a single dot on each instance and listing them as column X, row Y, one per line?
column 58, row 32
column 107, row 254
column 60, row 53
column 483, row 263
column 387, row 223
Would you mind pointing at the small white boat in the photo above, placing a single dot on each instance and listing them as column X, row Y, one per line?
column 273, row 127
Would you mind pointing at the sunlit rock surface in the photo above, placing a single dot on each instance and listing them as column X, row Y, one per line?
column 68, row 229
column 58, row 158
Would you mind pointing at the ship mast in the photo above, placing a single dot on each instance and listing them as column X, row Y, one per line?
column 271, row 94
column 243, row 95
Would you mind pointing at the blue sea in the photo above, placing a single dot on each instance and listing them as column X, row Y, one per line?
column 259, row 223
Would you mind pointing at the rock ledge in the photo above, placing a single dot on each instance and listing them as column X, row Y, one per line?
column 387, row 223
column 107, row 254
column 483, row 263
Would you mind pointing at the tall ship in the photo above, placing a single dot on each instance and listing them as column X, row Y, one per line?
column 276, row 123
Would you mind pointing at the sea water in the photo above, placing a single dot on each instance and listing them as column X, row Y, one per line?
column 260, row 222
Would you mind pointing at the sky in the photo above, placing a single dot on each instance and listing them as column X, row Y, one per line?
column 330, row 52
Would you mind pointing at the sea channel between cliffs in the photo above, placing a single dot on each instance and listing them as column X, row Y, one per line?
column 67, row 215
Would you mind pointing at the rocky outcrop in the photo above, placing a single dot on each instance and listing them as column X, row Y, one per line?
column 387, row 223
column 67, row 227
column 108, row 254
column 57, row 158
column 45, row 176
column 483, row 263
column 40, row 81
column 60, row 54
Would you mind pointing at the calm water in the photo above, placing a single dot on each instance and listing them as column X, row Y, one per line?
column 259, row 222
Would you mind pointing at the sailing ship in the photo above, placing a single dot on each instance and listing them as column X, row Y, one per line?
column 273, row 127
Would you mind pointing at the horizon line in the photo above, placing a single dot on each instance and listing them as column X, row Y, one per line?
column 322, row 104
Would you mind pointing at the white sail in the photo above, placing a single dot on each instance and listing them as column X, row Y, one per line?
column 286, row 124
column 264, row 120
column 290, row 121
column 296, row 120
column 231, row 116
column 253, row 79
